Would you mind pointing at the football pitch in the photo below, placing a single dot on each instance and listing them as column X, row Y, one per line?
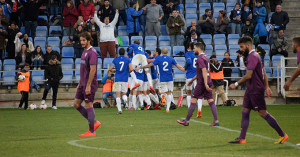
column 145, row 133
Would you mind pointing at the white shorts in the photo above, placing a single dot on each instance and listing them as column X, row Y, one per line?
column 139, row 59
column 166, row 86
column 192, row 86
column 120, row 87
column 142, row 87
column 146, row 86
column 155, row 83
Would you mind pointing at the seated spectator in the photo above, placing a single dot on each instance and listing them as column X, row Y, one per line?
column 174, row 24
column 3, row 40
column 4, row 21
column 280, row 44
column 11, row 47
column 154, row 15
column 194, row 38
column 261, row 52
column 108, row 81
column 235, row 19
column 261, row 32
column 26, row 41
column 246, row 14
column 37, row 57
column 193, row 27
column 86, row 9
column 133, row 30
column 240, row 59
column 259, row 12
column 280, row 19
column 76, row 40
column 222, row 23
column 106, row 10
column 248, row 29
column 70, row 17
column 23, row 57
column 120, row 5
column 6, row 8
column 93, row 29
column 227, row 64
column 168, row 6
column 207, row 22
column 107, row 36
column 49, row 54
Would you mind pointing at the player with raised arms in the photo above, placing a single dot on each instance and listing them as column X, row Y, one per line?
column 254, row 98
column 203, row 88
column 88, row 84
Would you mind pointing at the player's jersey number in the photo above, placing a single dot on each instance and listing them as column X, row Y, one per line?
column 165, row 64
column 194, row 62
column 122, row 65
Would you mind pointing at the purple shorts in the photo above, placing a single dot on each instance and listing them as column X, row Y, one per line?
column 80, row 94
column 255, row 102
column 200, row 92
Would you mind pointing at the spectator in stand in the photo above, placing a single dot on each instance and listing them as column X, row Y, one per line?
column 261, row 52
column 174, row 24
column 76, row 39
column 4, row 21
column 207, row 22
column 6, row 8
column 184, row 27
column 240, row 59
column 280, row 44
column 80, row 22
column 274, row 3
column 106, row 10
column 120, row 5
column 130, row 21
column 280, row 19
column 53, row 5
column 70, row 17
column 108, row 82
column 107, row 36
column 246, row 14
column 248, row 29
column 250, row 3
column 97, row 3
column 227, row 64
column 49, row 54
column 262, row 32
column 93, row 29
column 37, row 57
column 86, row 9
column 26, row 41
column 259, row 12
column 3, row 40
column 23, row 57
column 194, row 38
column 12, row 32
column 168, row 6
column 154, row 15
column 222, row 23
column 193, row 27
column 139, row 5
column 16, row 11
column 30, row 14
column 236, row 20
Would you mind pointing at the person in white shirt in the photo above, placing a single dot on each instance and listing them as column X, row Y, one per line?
column 242, row 68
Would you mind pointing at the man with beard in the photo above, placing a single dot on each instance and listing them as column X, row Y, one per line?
column 254, row 99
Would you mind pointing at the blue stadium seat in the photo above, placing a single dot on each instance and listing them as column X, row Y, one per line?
column 275, row 72
column 181, row 8
column 77, row 63
column 164, row 41
column 219, row 39
column 0, row 67
column 67, row 52
column 191, row 8
column 190, row 1
column 169, row 49
column 9, row 76
column 99, row 66
column 56, row 49
column 179, row 76
column 218, row 6
column 233, row 49
column 207, row 38
column 55, row 28
column 150, row 41
column 209, row 50
column 189, row 18
column 63, row 39
column 203, row 7
column 54, row 41
column 232, row 1
column 203, row 1
column 230, row 6
column 43, row 17
column 220, row 58
column 233, row 39
column 276, row 60
column 220, row 50
column 122, row 31
column 107, row 62
column 181, row 39
column 267, row 61
column 99, row 75
column 38, row 76
column 77, row 76
column 67, row 63
column 269, row 73
column 41, row 31
column 68, row 77
column 140, row 38
column 125, row 40
column 41, row 41
column 9, row 65
column 180, row 60
column 98, row 51
column 151, row 48
column 177, row 49
column 235, row 73
column 163, row 30
column 215, row 15
column 266, row 47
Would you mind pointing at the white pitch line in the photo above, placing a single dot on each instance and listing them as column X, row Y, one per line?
column 237, row 131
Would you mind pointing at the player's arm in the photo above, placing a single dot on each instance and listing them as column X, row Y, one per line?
column 146, row 66
column 268, row 90
column 243, row 79
column 91, row 77
column 150, row 60
column 180, row 67
column 292, row 78
column 192, row 80
column 111, row 69
column 204, row 74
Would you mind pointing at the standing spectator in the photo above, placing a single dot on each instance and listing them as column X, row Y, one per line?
column 168, row 6
column 53, row 74
column 260, row 12
column 15, row 13
column 130, row 20
column 107, row 36
column 97, row 3
column 93, row 29
column 222, row 23
column 207, row 22
column 262, row 32
column 3, row 40
column 26, row 41
column 70, row 17
column 246, row 14
column 154, row 14
column 23, row 57
column 193, row 27
column 236, row 19
column 280, row 19
column 24, row 85
column 77, row 45
column 108, row 82
column 30, row 15
column 120, row 5
column 227, row 64
column 86, row 9
column 141, row 4
column 248, row 29
column 174, row 24
column 6, row 8
column 49, row 54
column 280, row 44
column 240, row 59
column 250, row 3
column 54, row 5
column 106, row 10
column 37, row 57
column 3, row 19
column 12, row 32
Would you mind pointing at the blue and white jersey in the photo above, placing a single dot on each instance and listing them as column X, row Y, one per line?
column 154, row 70
column 165, row 67
column 122, row 68
column 188, row 54
column 140, row 74
column 190, row 66
column 136, row 49
column 145, row 76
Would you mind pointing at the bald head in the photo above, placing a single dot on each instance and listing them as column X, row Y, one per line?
column 164, row 51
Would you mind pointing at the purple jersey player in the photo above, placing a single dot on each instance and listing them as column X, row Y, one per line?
column 203, row 88
column 87, row 86
column 254, row 99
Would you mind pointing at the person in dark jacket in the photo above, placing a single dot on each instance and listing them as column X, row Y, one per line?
column 3, row 40
column 16, row 11
column 168, row 6
column 77, row 45
column 49, row 54
column 193, row 27
column 248, row 29
column 280, row 18
column 106, row 10
column 222, row 23
column 227, row 63
column 12, row 32
column 261, row 52
column 130, row 21
column 174, row 24
column 207, row 22
column 246, row 14
column 4, row 21
column 70, row 14
column 23, row 57
column 53, row 74
column 54, row 5
column 236, row 19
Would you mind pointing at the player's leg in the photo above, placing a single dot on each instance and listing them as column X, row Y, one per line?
column 213, row 108
column 188, row 93
column 134, row 93
column 132, row 66
column 147, row 100
column 148, row 74
column 117, row 89
column 124, row 90
column 169, row 100
column 77, row 102
column 244, row 126
column 190, row 112
column 91, row 120
column 22, row 100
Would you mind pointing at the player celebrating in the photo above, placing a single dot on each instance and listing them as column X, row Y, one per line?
column 203, row 88
column 123, row 66
column 165, row 72
column 254, row 99
column 88, row 84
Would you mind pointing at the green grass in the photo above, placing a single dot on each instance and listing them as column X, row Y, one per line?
column 143, row 133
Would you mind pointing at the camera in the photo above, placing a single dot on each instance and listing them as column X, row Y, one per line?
column 112, row 75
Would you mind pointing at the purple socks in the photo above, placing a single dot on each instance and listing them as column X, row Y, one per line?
column 91, row 118
column 83, row 111
column 213, row 110
column 244, row 124
column 190, row 112
column 273, row 123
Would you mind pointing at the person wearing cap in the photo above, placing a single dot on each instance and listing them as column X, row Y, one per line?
column 194, row 38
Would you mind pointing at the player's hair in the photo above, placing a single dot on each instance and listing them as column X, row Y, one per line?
column 137, row 42
column 199, row 45
column 86, row 35
column 226, row 53
column 296, row 40
column 148, row 52
column 191, row 45
column 245, row 40
column 121, row 51
column 164, row 51
column 158, row 50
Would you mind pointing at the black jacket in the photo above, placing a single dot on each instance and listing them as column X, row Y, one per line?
column 188, row 32
column 280, row 19
column 248, row 30
column 188, row 40
column 110, row 12
column 31, row 9
column 53, row 73
column 168, row 9
column 47, row 56
column 27, row 58
column 229, row 63
column 234, row 14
